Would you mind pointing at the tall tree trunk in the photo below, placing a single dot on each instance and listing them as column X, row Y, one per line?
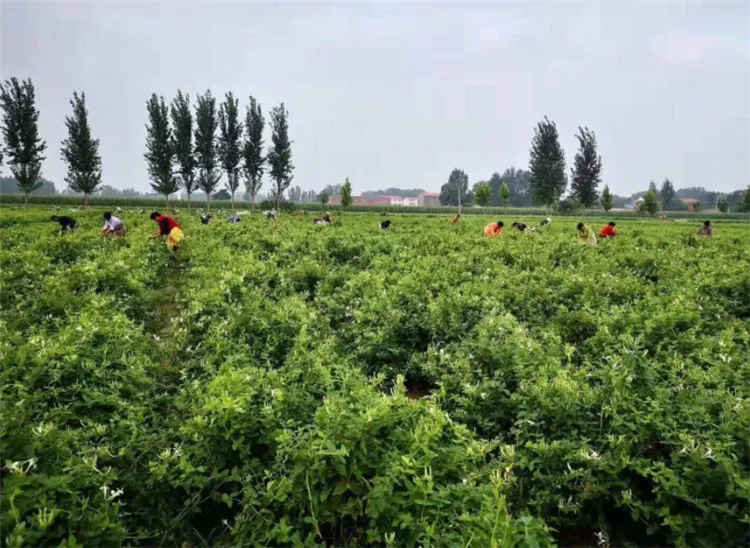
column 252, row 203
column 208, row 202
column 86, row 201
column 233, row 199
column 188, row 201
column 26, row 199
column 166, row 197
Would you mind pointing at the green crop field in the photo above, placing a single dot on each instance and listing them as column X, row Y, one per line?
column 291, row 384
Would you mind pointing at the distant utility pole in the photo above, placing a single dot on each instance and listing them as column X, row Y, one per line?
column 459, row 199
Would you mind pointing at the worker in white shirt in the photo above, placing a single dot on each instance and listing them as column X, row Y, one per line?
column 112, row 226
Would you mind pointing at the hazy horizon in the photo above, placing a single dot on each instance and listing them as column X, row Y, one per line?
column 397, row 95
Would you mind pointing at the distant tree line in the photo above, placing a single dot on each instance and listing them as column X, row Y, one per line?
column 191, row 148
column 546, row 183
column 186, row 148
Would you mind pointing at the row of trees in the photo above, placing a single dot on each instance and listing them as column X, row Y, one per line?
column 191, row 152
column 190, row 147
column 546, row 180
column 186, row 148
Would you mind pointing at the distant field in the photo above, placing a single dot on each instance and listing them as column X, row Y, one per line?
column 291, row 384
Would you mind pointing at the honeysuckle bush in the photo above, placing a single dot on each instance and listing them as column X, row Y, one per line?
column 292, row 384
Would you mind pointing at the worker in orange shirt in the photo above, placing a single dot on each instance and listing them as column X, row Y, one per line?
column 608, row 231
column 494, row 229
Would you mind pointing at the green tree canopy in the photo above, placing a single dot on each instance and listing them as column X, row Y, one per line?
column 458, row 181
column 482, row 193
column 667, row 194
column 253, row 161
column 205, row 144
column 346, row 193
column 547, row 164
column 20, row 127
column 650, row 203
column 606, row 198
column 80, row 150
column 745, row 203
column 280, row 156
column 230, row 133
column 182, row 143
column 159, row 148
column 587, row 169
column 504, row 194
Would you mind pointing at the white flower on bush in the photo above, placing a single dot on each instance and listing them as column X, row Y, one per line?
column 591, row 455
column 22, row 467
column 110, row 494
column 171, row 453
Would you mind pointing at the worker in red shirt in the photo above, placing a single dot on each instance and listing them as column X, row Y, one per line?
column 494, row 229
column 170, row 228
column 608, row 231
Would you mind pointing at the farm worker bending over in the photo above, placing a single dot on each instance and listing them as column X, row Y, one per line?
column 234, row 219
column 66, row 223
column 546, row 222
column 454, row 220
column 385, row 225
column 326, row 220
column 494, row 229
column 112, row 226
column 706, row 229
column 205, row 218
column 168, row 227
column 520, row 226
column 586, row 235
column 608, row 231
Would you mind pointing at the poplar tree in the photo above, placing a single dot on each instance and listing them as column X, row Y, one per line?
column 182, row 142
column 80, row 151
column 159, row 148
column 205, row 144
column 230, row 133
column 253, row 161
column 20, row 127
column 606, row 199
column 586, row 170
column 346, row 194
column 667, row 194
column 280, row 156
column 547, row 164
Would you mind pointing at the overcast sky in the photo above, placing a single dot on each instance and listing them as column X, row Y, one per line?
column 397, row 94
